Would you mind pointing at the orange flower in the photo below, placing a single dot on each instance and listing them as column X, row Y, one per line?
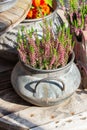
column 45, row 9
column 39, row 9
column 30, row 14
column 42, row 2
column 36, row 3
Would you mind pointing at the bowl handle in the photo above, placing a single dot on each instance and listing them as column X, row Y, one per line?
column 62, row 87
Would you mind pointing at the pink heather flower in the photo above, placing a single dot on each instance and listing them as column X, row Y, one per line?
column 47, row 50
column 22, row 55
column 22, row 52
column 31, row 51
column 32, row 59
column 52, row 61
column 61, row 51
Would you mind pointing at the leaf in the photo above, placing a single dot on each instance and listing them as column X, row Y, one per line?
column 61, row 2
column 49, row 2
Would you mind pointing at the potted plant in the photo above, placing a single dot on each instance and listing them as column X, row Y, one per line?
column 76, row 15
column 46, row 73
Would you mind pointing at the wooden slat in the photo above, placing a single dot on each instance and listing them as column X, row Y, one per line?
column 76, row 122
column 10, row 17
column 37, row 116
column 5, row 24
column 14, row 18
column 5, row 65
column 10, row 102
column 22, row 4
column 5, row 74
column 18, row 12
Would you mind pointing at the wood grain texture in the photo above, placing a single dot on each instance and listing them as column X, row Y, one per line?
column 76, row 122
column 5, row 66
column 10, row 102
column 33, row 116
column 13, row 16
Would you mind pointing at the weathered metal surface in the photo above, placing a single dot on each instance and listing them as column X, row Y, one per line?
column 45, row 87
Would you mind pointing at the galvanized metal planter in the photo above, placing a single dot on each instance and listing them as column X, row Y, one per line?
column 45, row 87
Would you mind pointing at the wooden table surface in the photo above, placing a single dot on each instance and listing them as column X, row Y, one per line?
column 17, row 114
column 13, row 16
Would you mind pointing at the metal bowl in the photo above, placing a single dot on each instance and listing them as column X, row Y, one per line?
column 6, row 4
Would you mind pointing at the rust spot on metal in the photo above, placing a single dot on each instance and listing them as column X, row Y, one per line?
column 72, row 113
column 83, row 118
column 57, row 122
column 69, row 121
column 31, row 115
column 52, row 116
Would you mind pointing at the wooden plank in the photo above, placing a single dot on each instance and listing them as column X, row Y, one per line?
column 37, row 116
column 14, row 18
column 4, row 23
column 22, row 4
column 5, row 65
column 76, row 122
column 8, row 98
column 5, row 73
column 18, row 12
column 9, row 16
column 10, row 102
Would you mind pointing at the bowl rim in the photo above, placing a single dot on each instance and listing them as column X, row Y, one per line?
column 30, row 68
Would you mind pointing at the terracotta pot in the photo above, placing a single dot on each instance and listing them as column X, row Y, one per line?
column 46, row 87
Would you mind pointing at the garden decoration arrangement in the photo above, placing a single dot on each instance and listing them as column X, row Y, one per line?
column 8, row 40
column 46, row 73
column 77, row 18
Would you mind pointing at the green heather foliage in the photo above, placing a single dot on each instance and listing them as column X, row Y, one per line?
column 45, row 52
column 76, row 13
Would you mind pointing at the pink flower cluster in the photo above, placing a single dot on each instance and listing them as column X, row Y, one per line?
column 48, row 52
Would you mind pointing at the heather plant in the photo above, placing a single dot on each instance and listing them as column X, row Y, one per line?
column 45, row 52
column 76, row 15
